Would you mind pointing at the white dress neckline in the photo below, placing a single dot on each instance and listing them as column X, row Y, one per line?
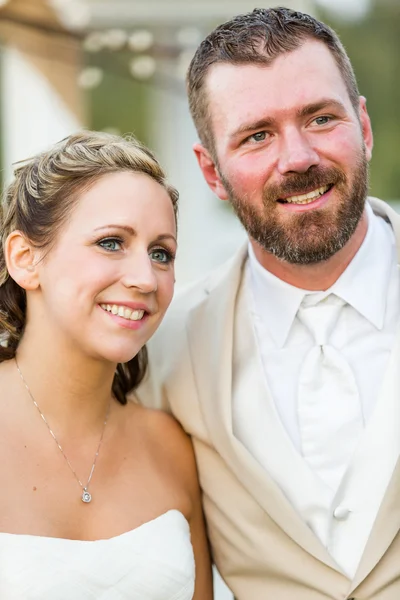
column 153, row 561
column 149, row 523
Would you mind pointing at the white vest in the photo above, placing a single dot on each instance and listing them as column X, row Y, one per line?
column 343, row 526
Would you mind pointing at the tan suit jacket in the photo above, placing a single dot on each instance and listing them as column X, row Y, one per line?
column 261, row 546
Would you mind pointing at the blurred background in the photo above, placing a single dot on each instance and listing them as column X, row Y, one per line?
column 119, row 66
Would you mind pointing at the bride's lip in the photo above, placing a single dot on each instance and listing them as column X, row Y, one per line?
column 130, row 304
column 127, row 323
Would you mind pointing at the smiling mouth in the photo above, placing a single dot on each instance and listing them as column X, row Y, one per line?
column 124, row 312
column 306, row 198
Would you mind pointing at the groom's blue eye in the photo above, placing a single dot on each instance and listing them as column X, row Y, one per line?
column 322, row 120
column 260, row 136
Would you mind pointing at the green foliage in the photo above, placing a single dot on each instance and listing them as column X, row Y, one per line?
column 373, row 45
column 120, row 102
column 374, row 49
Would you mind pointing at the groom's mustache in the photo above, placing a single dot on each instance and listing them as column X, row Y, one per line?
column 302, row 183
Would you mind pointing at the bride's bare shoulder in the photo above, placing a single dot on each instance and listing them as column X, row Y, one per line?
column 164, row 437
column 160, row 427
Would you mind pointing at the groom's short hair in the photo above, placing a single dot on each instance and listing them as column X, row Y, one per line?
column 258, row 38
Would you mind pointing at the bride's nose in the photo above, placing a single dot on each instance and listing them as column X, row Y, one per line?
column 139, row 273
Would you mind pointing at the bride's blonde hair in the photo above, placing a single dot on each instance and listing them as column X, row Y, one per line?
column 38, row 202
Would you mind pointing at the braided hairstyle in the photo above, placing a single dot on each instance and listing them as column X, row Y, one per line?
column 38, row 202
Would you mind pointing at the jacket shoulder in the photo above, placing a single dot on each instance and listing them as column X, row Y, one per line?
column 168, row 349
column 191, row 295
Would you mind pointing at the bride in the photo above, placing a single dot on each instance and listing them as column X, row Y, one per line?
column 100, row 497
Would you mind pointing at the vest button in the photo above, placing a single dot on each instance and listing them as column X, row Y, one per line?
column 341, row 513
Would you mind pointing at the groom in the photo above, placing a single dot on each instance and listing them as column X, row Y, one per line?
column 283, row 365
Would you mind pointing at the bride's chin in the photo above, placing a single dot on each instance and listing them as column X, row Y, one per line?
column 111, row 351
column 119, row 357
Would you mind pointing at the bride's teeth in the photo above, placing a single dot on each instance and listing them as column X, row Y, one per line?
column 123, row 311
column 136, row 315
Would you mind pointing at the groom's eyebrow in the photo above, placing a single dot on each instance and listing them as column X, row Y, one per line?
column 304, row 111
column 322, row 104
column 251, row 127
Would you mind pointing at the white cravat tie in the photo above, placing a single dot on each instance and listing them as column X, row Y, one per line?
column 329, row 409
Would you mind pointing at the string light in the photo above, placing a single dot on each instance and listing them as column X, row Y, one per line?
column 115, row 39
column 141, row 40
column 143, row 67
column 94, row 42
column 90, row 77
column 148, row 55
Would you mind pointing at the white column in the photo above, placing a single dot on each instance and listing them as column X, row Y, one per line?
column 40, row 61
column 208, row 231
column 33, row 114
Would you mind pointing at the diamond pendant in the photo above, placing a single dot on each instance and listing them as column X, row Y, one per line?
column 86, row 497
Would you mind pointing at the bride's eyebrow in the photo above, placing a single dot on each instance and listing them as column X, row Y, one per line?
column 165, row 236
column 132, row 232
column 126, row 228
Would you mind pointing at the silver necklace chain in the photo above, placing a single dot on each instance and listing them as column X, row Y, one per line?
column 86, row 496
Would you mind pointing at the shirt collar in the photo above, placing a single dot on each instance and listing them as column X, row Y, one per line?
column 275, row 301
column 363, row 285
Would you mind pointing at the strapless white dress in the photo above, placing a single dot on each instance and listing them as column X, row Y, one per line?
column 152, row 562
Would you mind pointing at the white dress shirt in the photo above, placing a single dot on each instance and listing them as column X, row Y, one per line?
column 364, row 333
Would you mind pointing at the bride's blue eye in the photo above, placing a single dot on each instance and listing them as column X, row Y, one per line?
column 110, row 244
column 161, row 256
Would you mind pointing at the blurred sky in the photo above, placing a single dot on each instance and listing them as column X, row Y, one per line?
column 347, row 9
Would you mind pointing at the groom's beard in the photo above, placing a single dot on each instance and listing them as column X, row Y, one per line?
column 311, row 236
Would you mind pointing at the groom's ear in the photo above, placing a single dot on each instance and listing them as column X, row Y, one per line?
column 210, row 171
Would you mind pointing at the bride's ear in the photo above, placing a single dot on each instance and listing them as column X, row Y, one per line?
column 21, row 259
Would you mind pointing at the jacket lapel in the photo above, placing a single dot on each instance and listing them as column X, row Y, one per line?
column 383, row 210
column 386, row 527
column 216, row 314
column 211, row 349
column 387, row 524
